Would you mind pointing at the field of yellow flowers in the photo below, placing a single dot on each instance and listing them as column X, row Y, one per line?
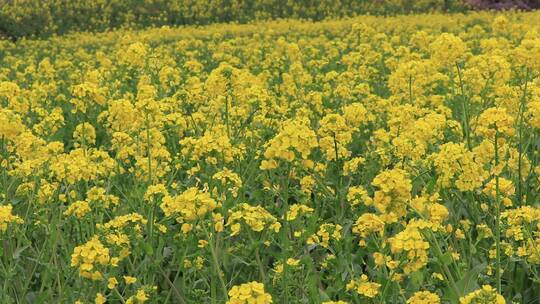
column 362, row 160
column 23, row 18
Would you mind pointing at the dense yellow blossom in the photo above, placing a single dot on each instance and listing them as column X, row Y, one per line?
column 495, row 120
column 252, row 292
column 485, row 295
column 393, row 194
column 458, row 167
column 364, row 287
column 411, row 242
column 424, row 297
column 256, row 217
column 448, row 49
column 368, row 223
column 190, row 205
column 7, row 217
column 295, row 137
column 89, row 257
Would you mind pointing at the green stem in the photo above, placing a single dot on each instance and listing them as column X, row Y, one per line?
column 497, row 218
column 148, row 150
column 464, row 109
column 217, row 268
column 452, row 283
column 520, row 134
column 119, row 295
column 258, row 258
column 284, row 233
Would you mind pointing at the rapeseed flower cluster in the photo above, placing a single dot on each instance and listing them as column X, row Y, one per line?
column 8, row 218
column 252, row 292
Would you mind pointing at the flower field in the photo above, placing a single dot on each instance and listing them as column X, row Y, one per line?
column 359, row 160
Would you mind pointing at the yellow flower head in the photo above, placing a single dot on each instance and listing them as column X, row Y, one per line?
column 252, row 292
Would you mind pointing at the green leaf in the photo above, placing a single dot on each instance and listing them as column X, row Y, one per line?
column 469, row 281
column 148, row 249
column 417, row 279
column 447, row 259
column 18, row 251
